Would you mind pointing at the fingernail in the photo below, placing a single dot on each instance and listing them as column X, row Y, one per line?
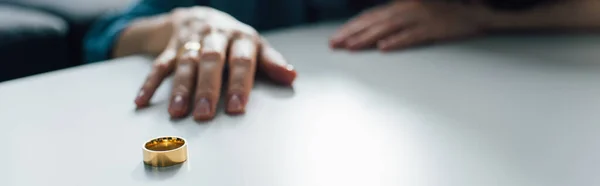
column 178, row 104
column 289, row 67
column 203, row 108
column 235, row 104
column 138, row 100
column 141, row 93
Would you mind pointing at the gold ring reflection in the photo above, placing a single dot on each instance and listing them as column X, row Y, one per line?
column 192, row 46
column 165, row 151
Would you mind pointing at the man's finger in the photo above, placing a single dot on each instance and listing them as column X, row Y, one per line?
column 274, row 65
column 369, row 37
column 162, row 67
column 210, row 74
column 403, row 39
column 242, row 66
column 355, row 26
column 349, row 29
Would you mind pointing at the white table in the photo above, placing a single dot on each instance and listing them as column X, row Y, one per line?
column 503, row 111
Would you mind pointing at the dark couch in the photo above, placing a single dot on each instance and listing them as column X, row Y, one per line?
column 43, row 35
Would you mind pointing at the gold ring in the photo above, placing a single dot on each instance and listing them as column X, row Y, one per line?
column 192, row 46
column 165, row 151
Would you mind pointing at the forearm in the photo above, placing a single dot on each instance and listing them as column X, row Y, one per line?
column 143, row 36
column 570, row 15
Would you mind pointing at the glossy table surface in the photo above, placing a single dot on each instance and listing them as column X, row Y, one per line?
column 501, row 111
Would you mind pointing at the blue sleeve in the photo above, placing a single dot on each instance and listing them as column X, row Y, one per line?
column 100, row 39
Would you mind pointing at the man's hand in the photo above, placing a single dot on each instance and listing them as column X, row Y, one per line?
column 201, row 41
column 403, row 24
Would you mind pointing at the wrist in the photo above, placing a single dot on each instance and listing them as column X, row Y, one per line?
column 157, row 35
column 143, row 36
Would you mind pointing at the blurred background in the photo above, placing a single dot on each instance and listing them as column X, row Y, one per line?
column 46, row 35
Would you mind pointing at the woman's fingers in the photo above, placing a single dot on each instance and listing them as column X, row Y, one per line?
column 184, row 80
column 242, row 66
column 210, row 74
column 161, row 68
column 272, row 63
column 202, row 44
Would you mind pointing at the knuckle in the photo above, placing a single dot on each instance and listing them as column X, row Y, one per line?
column 160, row 66
column 202, row 27
column 249, row 35
column 183, row 35
column 238, row 85
column 235, row 33
column 189, row 57
column 208, row 80
column 207, row 65
column 237, row 88
column 211, row 55
column 215, row 42
column 243, row 61
column 185, row 69
column 205, row 88
column 205, row 82
column 240, row 80
column 222, row 31
column 180, row 90
column 204, row 93
column 244, row 48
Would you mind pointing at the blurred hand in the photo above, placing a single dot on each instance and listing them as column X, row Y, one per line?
column 403, row 24
column 199, row 41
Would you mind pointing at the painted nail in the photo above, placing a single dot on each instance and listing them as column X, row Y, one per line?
column 234, row 104
column 289, row 67
column 178, row 104
column 141, row 93
column 203, row 108
column 138, row 100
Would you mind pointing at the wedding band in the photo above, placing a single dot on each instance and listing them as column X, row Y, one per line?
column 192, row 46
column 165, row 151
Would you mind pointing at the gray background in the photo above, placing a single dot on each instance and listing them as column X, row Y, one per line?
column 501, row 111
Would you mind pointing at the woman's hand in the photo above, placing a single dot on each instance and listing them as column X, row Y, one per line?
column 403, row 24
column 202, row 41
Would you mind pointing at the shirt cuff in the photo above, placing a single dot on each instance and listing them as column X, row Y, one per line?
column 101, row 38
